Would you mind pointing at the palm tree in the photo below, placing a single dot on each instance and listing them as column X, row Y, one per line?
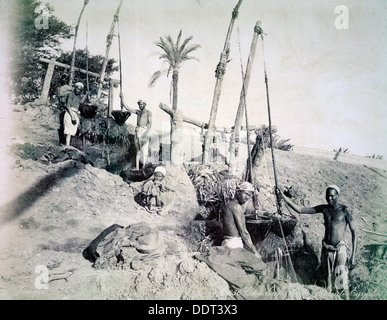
column 174, row 54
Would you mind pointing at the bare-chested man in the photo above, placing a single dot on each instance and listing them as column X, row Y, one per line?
column 334, row 252
column 236, row 234
column 144, row 123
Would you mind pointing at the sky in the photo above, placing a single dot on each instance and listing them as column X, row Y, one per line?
column 326, row 69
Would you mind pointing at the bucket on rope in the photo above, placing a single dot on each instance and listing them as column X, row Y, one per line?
column 88, row 110
column 120, row 116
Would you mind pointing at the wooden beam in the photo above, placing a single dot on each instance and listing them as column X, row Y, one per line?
column 234, row 143
column 47, row 81
column 201, row 124
column 219, row 74
column 66, row 66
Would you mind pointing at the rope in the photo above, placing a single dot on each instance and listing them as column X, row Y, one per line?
column 87, row 51
column 264, row 157
column 271, row 135
column 270, row 130
column 273, row 160
column 119, row 52
column 372, row 232
column 249, row 162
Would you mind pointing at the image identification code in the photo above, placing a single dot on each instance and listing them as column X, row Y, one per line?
column 196, row 309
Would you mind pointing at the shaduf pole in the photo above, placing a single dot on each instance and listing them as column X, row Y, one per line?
column 75, row 42
column 219, row 73
column 234, row 143
column 109, row 39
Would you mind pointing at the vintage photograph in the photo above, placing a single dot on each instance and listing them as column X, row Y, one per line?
column 217, row 150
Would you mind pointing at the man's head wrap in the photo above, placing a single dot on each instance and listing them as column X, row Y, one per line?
column 333, row 186
column 141, row 102
column 245, row 186
column 79, row 85
column 160, row 170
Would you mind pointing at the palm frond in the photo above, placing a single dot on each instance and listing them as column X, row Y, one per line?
column 185, row 42
column 188, row 58
column 178, row 40
column 165, row 46
column 172, row 50
column 165, row 57
column 156, row 76
column 189, row 49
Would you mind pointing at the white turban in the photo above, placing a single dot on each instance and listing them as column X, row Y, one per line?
column 333, row 186
column 245, row 186
column 79, row 84
column 161, row 170
column 141, row 102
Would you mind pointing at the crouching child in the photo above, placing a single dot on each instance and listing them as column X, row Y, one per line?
column 150, row 196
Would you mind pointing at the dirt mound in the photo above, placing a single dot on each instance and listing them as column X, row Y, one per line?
column 55, row 218
column 52, row 210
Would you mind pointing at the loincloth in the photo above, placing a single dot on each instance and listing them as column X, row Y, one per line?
column 232, row 242
column 141, row 136
column 336, row 247
column 334, row 260
column 69, row 127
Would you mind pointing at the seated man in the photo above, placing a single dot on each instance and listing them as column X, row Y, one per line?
column 237, row 259
column 236, row 234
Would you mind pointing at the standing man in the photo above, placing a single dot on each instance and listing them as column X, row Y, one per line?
column 334, row 252
column 71, row 119
column 63, row 91
column 141, row 138
column 236, row 234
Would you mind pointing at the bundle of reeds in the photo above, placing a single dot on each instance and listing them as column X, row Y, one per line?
column 213, row 188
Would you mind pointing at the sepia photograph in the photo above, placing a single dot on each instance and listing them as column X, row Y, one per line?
column 185, row 150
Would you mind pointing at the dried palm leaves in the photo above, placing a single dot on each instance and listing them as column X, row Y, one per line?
column 213, row 188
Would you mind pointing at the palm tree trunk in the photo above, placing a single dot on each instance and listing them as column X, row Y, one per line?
column 220, row 70
column 75, row 42
column 176, row 124
column 175, row 80
column 176, row 135
column 177, row 138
